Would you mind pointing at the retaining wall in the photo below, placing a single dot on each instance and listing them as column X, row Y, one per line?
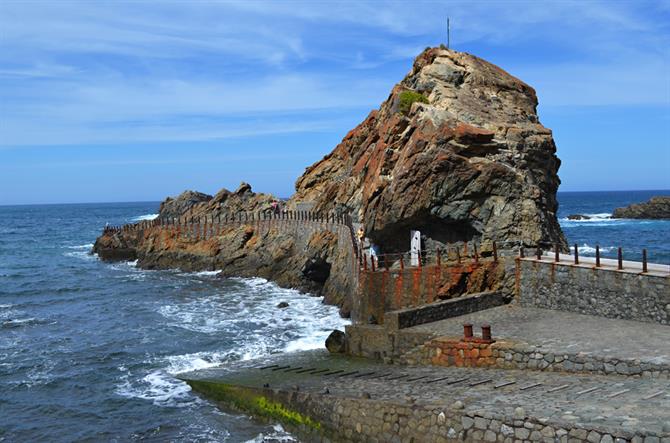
column 327, row 418
column 603, row 291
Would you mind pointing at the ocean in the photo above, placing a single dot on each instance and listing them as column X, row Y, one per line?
column 89, row 350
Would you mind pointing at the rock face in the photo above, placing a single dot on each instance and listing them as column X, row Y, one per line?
column 180, row 205
column 655, row 208
column 456, row 151
column 473, row 163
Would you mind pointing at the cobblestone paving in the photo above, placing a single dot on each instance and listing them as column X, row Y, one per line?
column 566, row 332
column 605, row 402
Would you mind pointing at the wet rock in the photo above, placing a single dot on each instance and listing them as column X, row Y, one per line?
column 655, row 208
column 578, row 217
column 336, row 342
column 282, row 305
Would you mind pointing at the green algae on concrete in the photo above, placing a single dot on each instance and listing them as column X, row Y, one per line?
column 251, row 401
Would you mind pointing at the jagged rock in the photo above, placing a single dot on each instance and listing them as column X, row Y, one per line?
column 656, row 208
column 180, row 205
column 336, row 342
column 578, row 217
column 282, row 305
column 473, row 163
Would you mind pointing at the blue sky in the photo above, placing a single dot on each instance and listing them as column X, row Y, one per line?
column 133, row 101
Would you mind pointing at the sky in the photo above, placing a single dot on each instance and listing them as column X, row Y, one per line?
column 105, row 101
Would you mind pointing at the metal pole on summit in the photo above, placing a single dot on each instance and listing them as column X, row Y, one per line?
column 448, row 34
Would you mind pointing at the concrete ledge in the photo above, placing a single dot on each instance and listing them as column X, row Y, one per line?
column 406, row 318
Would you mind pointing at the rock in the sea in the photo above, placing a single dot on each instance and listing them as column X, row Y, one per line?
column 282, row 305
column 471, row 162
column 578, row 217
column 336, row 342
column 655, row 208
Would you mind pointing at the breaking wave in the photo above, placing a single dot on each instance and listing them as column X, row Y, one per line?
column 144, row 217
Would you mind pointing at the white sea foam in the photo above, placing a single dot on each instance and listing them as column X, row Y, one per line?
column 278, row 435
column 144, row 217
column 246, row 316
column 586, row 249
column 81, row 255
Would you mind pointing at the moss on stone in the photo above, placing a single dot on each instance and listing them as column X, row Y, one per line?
column 406, row 99
column 248, row 400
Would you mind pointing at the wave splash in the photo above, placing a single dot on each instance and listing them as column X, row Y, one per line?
column 144, row 217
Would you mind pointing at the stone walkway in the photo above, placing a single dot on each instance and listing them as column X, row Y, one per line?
column 565, row 332
column 600, row 402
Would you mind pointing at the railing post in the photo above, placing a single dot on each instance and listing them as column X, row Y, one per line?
column 538, row 253
column 476, row 255
column 644, row 260
column 439, row 258
column 402, row 262
column 372, row 262
column 521, row 252
column 620, row 258
column 597, row 256
column 557, row 256
column 495, row 252
column 576, row 254
column 458, row 254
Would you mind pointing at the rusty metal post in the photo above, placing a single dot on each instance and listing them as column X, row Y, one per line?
column 644, row 260
column 495, row 252
column 557, row 256
column 439, row 258
column 458, row 254
column 476, row 254
column 467, row 331
column 576, row 254
column 620, row 259
column 486, row 332
column 402, row 262
column 538, row 253
column 365, row 262
column 372, row 262
column 521, row 252
column 597, row 256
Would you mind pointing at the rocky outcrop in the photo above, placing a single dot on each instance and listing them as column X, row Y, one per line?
column 180, row 205
column 471, row 164
column 655, row 208
column 456, row 151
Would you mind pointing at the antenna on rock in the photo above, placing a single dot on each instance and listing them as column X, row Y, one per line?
column 448, row 33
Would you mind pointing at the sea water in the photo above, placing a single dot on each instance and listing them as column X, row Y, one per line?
column 89, row 350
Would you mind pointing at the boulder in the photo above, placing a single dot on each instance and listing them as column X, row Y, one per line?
column 578, row 217
column 336, row 342
column 282, row 305
column 656, row 208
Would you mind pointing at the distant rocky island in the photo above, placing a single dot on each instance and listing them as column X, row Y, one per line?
column 656, row 208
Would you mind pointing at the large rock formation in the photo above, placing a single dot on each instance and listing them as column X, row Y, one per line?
column 656, row 208
column 456, row 151
column 473, row 163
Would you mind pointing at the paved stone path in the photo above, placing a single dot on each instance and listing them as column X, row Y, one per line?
column 565, row 332
column 609, row 402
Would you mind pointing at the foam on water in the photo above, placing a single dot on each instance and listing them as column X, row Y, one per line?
column 144, row 217
column 244, row 314
column 586, row 249
column 277, row 435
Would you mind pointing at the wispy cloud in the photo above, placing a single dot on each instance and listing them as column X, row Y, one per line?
column 104, row 72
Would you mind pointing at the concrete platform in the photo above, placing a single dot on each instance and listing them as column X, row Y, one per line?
column 367, row 398
column 565, row 333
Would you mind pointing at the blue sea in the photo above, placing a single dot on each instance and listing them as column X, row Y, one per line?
column 89, row 350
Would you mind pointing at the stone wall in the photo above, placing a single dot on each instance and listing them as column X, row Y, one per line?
column 504, row 354
column 406, row 318
column 386, row 290
column 328, row 418
column 585, row 289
